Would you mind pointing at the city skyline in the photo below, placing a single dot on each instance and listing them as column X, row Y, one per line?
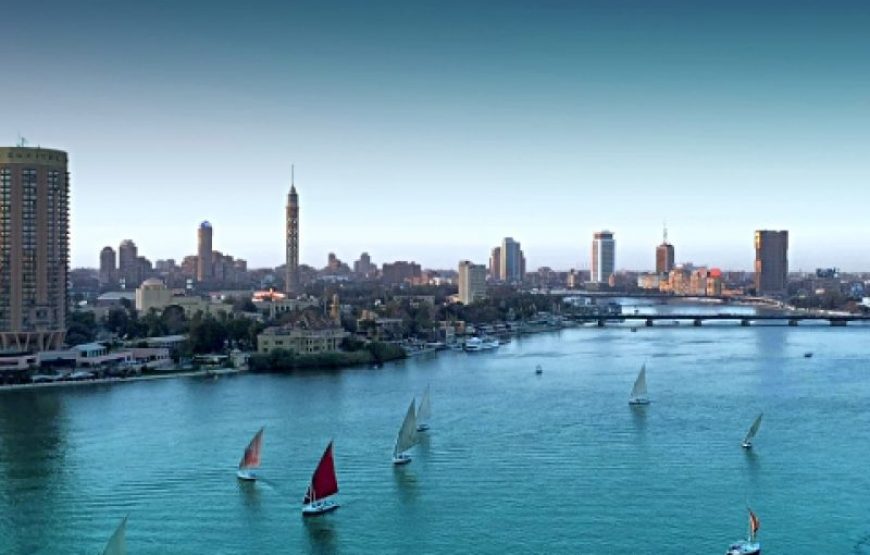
column 608, row 116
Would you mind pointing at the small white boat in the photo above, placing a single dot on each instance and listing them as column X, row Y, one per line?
column 638, row 392
column 424, row 412
column 251, row 458
column 324, row 484
column 407, row 437
column 476, row 344
column 750, row 435
column 118, row 543
column 748, row 546
column 539, row 370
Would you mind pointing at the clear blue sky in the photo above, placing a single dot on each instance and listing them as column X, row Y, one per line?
column 431, row 130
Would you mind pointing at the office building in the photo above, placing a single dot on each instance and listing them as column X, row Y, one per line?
column 108, row 267
column 512, row 261
column 771, row 262
column 128, row 265
column 472, row 282
column 400, row 272
column 603, row 256
column 204, row 263
column 34, row 248
column 364, row 268
column 664, row 256
column 291, row 279
column 495, row 264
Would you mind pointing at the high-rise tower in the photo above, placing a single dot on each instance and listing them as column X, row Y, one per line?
column 204, row 264
column 34, row 248
column 603, row 256
column 771, row 262
column 292, row 279
column 664, row 255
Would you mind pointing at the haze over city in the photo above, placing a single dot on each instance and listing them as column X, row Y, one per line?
column 429, row 131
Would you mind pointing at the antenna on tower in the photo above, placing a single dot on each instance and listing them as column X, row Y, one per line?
column 292, row 176
column 665, row 233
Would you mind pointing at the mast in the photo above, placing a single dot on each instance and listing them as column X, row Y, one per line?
column 323, row 482
column 251, row 457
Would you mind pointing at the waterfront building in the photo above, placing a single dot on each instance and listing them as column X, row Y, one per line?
column 512, row 261
column 603, row 256
column 34, row 248
column 664, row 255
column 204, row 266
column 108, row 267
column 301, row 341
column 128, row 265
column 291, row 279
column 472, row 282
column 771, row 262
column 495, row 264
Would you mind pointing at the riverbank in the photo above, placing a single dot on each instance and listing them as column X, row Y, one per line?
column 211, row 373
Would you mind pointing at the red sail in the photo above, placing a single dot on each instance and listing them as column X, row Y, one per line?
column 251, row 458
column 754, row 523
column 323, row 482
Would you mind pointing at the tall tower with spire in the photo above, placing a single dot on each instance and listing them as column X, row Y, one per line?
column 664, row 254
column 292, row 279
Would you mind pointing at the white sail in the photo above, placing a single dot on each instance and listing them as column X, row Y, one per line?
column 117, row 543
column 750, row 435
column 639, row 389
column 424, row 412
column 408, row 432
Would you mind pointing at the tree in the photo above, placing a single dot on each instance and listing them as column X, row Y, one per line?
column 82, row 328
column 207, row 334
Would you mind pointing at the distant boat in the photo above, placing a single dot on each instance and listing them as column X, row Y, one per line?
column 407, row 437
column 638, row 392
column 476, row 344
column 424, row 412
column 324, row 484
column 748, row 546
column 808, row 354
column 251, row 458
column 539, row 370
column 750, row 435
column 633, row 329
column 117, row 543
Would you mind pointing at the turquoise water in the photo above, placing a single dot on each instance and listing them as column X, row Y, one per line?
column 514, row 462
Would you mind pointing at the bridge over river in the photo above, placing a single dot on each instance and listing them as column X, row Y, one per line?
column 793, row 319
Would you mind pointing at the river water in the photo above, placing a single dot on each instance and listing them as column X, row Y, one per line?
column 514, row 462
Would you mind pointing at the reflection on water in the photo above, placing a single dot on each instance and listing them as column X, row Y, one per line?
column 250, row 493
column 322, row 534
column 406, row 483
column 638, row 417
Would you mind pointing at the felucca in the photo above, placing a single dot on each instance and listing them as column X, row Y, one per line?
column 117, row 543
column 749, row 546
column 638, row 392
column 750, row 435
column 251, row 458
column 407, row 437
column 424, row 412
column 324, row 484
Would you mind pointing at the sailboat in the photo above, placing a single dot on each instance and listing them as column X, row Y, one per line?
column 251, row 459
column 638, row 392
column 424, row 412
column 750, row 435
column 407, row 437
column 117, row 543
column 748, row 546
column 324, row 484
column 539, row 370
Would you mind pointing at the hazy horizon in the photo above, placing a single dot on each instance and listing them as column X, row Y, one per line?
column 429, row 131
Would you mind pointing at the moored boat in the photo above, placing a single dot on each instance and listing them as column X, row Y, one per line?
column 407, row 437
column 639, row 394
column 748, row 546
column 251, row 458
column 324, row 485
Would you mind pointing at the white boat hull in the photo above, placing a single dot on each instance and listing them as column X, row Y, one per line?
column 744, row 548
column 319, row 508
column 423, row 428
column 401, row 459
column 638, row 402
column 247, row 475
column 746, row 445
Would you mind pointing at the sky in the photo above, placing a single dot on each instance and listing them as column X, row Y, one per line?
column 430, row 130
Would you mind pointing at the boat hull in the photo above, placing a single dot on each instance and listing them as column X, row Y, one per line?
column 246, row 475
column 638, row 402
column 744, row 548
column 402, row 459
column 319, row 508
column 423, row 428
column 746, row 445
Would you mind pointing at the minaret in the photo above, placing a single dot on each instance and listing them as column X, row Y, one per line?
column 292, row 278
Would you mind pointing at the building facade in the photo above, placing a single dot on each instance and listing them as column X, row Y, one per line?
column 472, row 282
column 34, row 248
column 291, row 279
column 512, row 261
column 128, row 265
column 108, row 274
column 771, row 262
column 603, row 256
column 495, row 264
column 204, row 250
column 301, row 341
